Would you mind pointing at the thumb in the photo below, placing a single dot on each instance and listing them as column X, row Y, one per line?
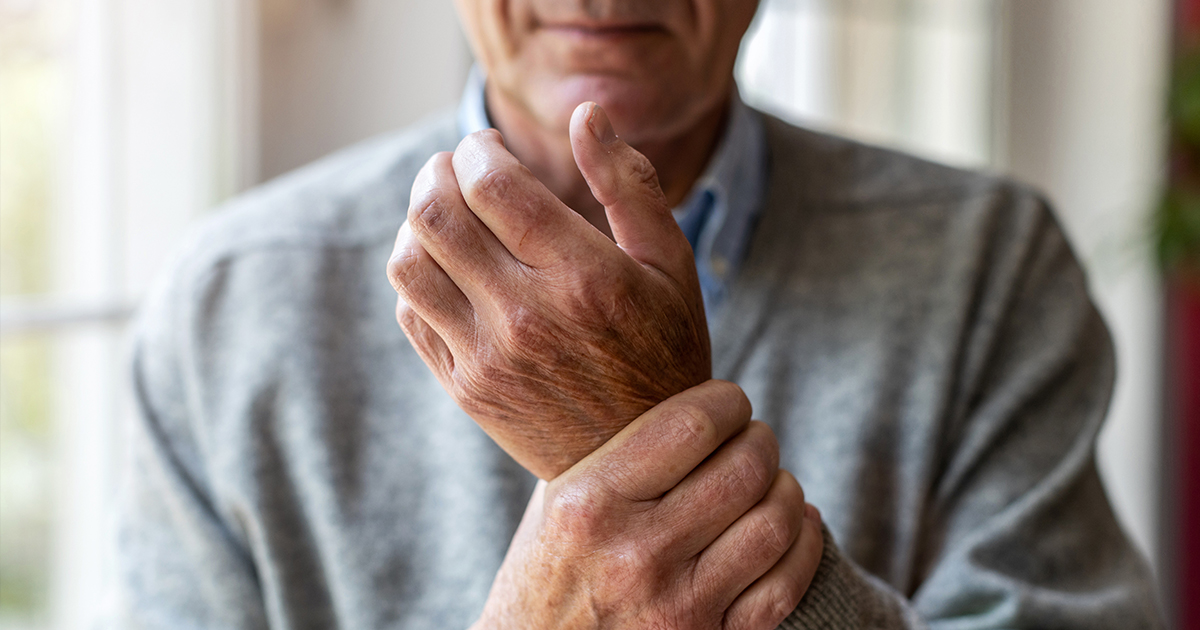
column 626, row 184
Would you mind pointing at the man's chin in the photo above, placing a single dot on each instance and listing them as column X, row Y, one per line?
column 638, row 111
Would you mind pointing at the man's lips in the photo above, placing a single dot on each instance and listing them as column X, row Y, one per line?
column 592, row 30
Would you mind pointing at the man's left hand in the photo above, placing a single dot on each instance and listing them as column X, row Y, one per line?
column 550, row 335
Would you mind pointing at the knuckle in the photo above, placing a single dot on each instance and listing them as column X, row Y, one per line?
column 492, row 183
column 524, row 328
column 772, row 529
column 750, row 472
column 426, row 201
column 690, row 424
column 630, row 564
column 578, row 512
column 427, row 213
column 403, row 268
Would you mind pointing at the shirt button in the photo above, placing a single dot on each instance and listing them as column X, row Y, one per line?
column 720, row 265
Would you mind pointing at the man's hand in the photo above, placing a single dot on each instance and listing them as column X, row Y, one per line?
column 550, row 335
column 656, row 530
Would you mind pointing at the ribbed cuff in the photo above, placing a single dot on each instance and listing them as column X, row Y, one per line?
column 833, row 600
column 844, row 597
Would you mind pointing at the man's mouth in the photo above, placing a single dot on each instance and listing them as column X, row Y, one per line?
column 607, row 30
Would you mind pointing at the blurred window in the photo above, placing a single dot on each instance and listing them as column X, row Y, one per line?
column 66, row 237
column 34, row 40
column 919, row 75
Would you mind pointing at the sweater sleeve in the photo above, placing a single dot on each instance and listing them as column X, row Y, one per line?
column 1017, row 530
column 179, row 563
column 843, row 596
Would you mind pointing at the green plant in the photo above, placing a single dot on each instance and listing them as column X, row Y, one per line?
column 1177, row 219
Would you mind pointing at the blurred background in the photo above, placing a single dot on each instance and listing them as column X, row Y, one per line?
column 122, row 121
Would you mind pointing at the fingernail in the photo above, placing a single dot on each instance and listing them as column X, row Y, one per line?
column 601, row 127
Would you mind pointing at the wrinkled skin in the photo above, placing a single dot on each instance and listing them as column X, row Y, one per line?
column 707, row 533
column 551, row 336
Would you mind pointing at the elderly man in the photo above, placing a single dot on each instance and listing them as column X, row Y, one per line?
column 918, row 341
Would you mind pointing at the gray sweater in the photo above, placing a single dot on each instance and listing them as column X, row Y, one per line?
column 920, row 339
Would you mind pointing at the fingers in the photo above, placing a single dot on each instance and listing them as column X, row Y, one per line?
column 523, row 214
column 454, row 237
column 626, row 184
column 767, row 602
column 431, row 348
column 754, row 543
column 426, row 289
column 718, row 492
column 662, row 446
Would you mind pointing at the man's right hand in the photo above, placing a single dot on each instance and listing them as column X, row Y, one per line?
column 550, row 335
column 682, row 520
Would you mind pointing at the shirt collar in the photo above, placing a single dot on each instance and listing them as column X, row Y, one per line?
column 472, row 109
column 730, row 195
column 720, row 211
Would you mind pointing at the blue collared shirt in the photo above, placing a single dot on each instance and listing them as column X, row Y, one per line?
column 719, row 213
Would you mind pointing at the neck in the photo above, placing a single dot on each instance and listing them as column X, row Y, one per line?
column 679, row 159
